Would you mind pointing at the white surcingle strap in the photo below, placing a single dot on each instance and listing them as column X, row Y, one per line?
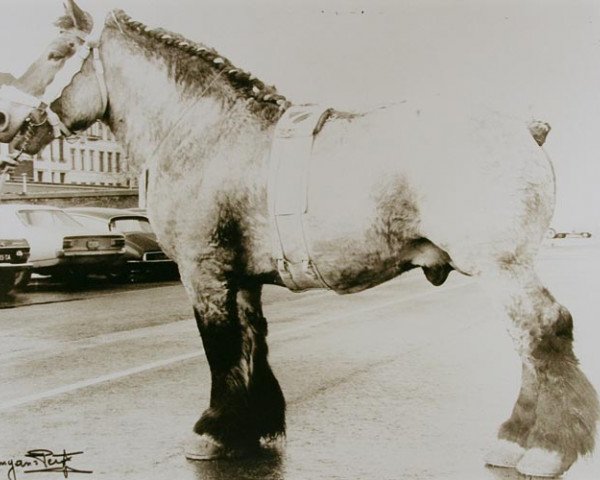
column 290, row 159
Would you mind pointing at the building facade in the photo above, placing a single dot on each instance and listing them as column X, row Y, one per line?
column 92, row 157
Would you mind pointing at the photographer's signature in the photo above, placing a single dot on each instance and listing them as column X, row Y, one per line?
column 42, row 460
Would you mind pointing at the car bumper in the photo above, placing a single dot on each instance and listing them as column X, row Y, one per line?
column 165, row 261
column 164, row 266
column 7, row 267
column 90, row 258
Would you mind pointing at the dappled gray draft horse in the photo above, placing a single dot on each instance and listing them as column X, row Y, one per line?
column 389, row 190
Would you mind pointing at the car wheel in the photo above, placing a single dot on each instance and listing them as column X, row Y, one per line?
column 22, row 279
column 586, row 234
column 120, row 275
column 71, row 277
column 7, row 283
column 551, row 233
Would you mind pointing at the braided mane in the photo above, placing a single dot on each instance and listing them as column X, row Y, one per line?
column 265, row 99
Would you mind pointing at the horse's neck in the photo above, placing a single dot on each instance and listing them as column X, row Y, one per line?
column 156, row 121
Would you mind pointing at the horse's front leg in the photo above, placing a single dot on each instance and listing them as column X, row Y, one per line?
column 554, row 419
column 246, row 402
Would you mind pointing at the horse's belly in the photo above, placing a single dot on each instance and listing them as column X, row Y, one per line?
column 351, row 265
column 361, row 223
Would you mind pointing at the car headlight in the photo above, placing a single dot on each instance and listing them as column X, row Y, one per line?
column 14, row 243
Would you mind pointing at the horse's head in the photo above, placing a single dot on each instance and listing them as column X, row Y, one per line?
column 59, row 92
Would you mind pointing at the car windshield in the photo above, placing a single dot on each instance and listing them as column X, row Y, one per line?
column 47, row 218
column 124, row 225
column 91, row 222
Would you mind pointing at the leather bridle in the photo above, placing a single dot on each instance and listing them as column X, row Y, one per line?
column 54, row 90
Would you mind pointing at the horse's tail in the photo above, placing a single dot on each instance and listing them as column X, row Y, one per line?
column 539, row 130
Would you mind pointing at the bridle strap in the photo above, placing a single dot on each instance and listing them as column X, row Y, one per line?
column 62, row 79
column 13, row 94
column 70, row 69
column 65, row 76
column 99, row 69
column 58, row 127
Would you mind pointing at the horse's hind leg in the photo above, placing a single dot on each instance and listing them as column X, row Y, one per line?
column 246, row 402
column 554, row 418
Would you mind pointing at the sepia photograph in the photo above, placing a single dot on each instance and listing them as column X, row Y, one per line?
column 299, row 239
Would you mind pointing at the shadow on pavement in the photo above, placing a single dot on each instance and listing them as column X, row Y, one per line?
column 499, row 473
column 47, row 290
column 267, row 466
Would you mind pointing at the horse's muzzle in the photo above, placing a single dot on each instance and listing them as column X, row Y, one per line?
column 12, row 118
column 15, row 107
column 4, row 121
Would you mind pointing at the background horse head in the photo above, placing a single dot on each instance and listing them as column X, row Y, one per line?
column 22, row 106
column 67, row 83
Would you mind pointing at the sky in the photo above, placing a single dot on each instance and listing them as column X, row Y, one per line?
column 530, row 58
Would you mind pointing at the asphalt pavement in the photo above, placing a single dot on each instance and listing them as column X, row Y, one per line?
column 404, row 381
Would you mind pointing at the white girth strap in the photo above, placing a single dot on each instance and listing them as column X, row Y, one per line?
column 288, row 190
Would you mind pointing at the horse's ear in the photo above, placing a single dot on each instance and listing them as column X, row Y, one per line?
column 81, row 20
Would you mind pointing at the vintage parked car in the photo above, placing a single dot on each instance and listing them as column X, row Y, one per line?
column 143, row 255
column 61, row 246
column 14, row 266
column 553, row 233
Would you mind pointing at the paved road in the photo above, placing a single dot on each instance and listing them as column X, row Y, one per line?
column 405, row 381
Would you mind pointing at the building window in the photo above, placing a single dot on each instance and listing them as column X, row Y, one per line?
column 62, row 177
column 83, row 159
column 102, row 166
column 93, row 133
column 118, row 162
column 61, row 150
column 40, row 176
column 109, row 157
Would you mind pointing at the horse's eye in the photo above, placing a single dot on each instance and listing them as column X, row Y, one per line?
column 55, row 56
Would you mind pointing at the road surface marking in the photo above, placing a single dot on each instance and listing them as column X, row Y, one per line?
column 199, row 352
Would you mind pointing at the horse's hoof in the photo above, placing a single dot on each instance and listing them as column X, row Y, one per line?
column 504, row 454
column 203, row 447
column 539, row 462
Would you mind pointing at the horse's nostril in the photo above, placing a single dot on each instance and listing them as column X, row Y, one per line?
column 4, row 121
